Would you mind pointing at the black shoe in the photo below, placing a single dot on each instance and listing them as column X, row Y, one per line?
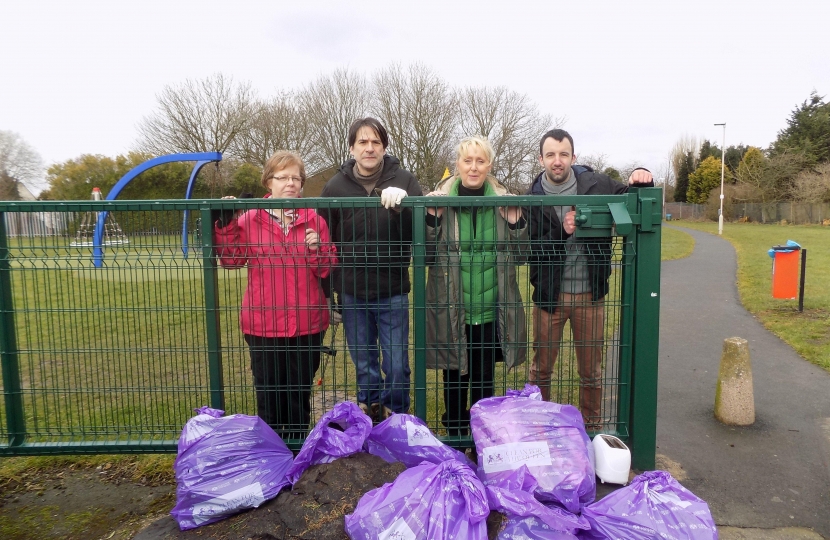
column 456, row 427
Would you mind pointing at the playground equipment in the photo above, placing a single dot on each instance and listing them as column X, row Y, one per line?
column 113, row 235
column 201, row 159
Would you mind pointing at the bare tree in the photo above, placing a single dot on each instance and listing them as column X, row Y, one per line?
column 19, row 163
column 678, row 153
column 197, row 116
column 419, row 111
column 597, row 162
column 513, row 124
column 276, row 124
column 330, row 105
column 626, row 170
column 812, row 186
column 773, row 179
column 666, row 170
column 752, row 173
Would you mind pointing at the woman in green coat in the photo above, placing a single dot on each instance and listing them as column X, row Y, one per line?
column 474, row 309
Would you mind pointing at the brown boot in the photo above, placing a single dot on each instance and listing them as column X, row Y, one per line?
column 379, row 412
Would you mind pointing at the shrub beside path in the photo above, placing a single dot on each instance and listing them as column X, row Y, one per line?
column 773, row 475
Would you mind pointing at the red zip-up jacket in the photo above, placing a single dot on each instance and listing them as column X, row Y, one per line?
column 284, row 297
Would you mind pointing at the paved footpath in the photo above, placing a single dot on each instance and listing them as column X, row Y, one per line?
column 774, row 474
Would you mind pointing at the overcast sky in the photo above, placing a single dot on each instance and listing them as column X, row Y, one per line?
column 630, row 78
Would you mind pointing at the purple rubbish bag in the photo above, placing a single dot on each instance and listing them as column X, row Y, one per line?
column 226, row 465
column 520, row 429
column 427, row 502
column 653, row 505
column 531, row 528
column 406, row 438
column 514, row 498
column 199, row 426
column 339, row 433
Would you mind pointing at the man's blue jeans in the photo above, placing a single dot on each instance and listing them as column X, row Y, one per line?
column 375, row 327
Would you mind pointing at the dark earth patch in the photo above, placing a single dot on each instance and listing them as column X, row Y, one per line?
column 84, row 504
column 110, row 504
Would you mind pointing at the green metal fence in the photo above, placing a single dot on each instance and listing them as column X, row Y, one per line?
column 114, row 358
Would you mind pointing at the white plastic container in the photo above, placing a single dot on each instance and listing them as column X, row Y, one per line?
column 612, row 459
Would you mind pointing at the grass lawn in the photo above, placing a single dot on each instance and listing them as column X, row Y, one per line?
column 808, row 332
column 120, row 351
column 675, row 244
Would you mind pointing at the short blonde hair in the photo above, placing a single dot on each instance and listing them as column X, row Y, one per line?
column 476, row 140
column 279, row 161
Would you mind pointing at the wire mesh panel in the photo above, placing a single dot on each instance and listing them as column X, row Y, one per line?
column 112, row 354
column 443, row 302
column 507, row 305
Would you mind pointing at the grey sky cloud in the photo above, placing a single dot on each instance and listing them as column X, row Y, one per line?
column 630, row 77
column 333, row 35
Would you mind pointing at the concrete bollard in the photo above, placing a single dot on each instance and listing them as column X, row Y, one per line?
column 734, row 398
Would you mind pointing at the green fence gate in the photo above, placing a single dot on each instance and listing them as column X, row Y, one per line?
column 113, row 358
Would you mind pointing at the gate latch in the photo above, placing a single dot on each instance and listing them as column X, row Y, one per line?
column 603, row 220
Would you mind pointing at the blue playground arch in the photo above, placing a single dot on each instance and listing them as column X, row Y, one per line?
column 201, row 159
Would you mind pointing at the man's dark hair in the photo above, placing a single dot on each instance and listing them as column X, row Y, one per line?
column 559, row 135
column 371, row 123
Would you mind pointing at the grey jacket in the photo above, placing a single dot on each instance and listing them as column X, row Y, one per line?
column 446, row 336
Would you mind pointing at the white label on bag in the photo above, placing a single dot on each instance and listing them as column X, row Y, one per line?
column 667, row 497
column 420, row 435
column 398, row 531
column 505, row 457
column 249, row 496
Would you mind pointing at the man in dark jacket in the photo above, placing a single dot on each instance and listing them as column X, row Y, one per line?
column 372, row 280
column 570, row 277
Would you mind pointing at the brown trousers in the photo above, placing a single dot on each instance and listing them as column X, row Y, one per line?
column 588, row 326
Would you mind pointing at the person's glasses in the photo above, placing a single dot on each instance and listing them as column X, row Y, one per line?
column 285, row 179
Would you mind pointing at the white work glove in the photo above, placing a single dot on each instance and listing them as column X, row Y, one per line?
column 335, row 317
column 391, row 197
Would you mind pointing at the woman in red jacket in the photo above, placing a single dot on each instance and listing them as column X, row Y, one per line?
column 284, row 313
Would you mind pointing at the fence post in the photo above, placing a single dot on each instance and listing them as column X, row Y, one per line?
column 212, row 320
column 646, row 337
column 419, row 279
column 12, row 394
column 626, row 331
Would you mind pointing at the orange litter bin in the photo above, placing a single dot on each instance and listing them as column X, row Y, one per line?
column 785, row 272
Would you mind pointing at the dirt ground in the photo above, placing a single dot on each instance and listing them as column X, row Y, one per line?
column 102, row 503
column 110, row 502
column 79, row 504
column 313, row 509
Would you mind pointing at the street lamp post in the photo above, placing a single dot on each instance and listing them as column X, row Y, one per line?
column 664, row 196
column 722, row 167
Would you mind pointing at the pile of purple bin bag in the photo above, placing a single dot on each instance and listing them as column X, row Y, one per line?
column 535, row 466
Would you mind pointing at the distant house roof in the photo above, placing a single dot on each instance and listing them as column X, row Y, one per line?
column 314, row 183
column 25, row 194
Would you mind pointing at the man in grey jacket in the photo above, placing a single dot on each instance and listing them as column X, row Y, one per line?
column 570, row 277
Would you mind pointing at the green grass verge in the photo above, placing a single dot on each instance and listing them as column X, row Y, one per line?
column 675, row 244
column 808, row 332
column 147, row 469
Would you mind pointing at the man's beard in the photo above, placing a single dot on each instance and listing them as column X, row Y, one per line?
column 565, row 174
